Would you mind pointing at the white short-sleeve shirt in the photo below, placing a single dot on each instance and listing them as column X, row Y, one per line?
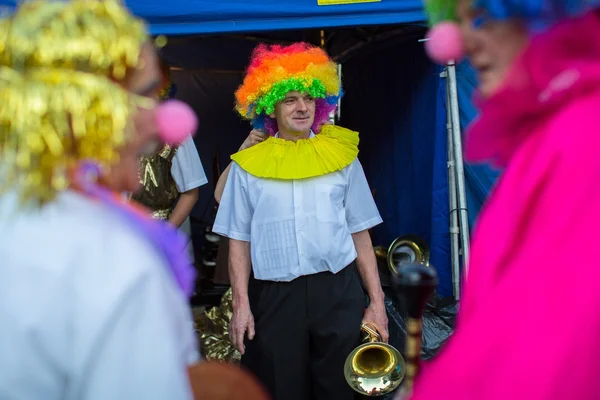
column 88, row 309
column 297, row 227
column 186, row 168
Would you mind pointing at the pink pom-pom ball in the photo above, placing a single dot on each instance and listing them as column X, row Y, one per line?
column 445, row 43
column 175, row 121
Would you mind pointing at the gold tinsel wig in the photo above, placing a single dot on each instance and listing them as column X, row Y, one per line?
column 60, row 101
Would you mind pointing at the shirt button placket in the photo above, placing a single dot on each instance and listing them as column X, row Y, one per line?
column 298, row 219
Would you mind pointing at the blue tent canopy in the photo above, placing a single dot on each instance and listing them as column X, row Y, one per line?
column 394, row 97
column 194, row 17
column 177, row 17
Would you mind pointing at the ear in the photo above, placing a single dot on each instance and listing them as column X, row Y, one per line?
column 272, row 115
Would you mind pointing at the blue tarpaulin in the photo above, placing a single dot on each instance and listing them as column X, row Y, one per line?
column 394, row 97
column 216, row 16
column 192, row 17
column 480, row 178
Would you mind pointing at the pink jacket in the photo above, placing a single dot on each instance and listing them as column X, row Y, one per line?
column 529, row 324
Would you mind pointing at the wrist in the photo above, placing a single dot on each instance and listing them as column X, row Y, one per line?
column 377, row 297
column 240, row 300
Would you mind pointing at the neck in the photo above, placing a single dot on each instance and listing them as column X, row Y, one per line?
column 294, row 136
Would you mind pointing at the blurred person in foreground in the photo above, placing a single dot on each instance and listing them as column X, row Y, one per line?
column 93, row 292
column 529, row 318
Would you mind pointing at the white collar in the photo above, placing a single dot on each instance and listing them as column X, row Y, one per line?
column 311, row 135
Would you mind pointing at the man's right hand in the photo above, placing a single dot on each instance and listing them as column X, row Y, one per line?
column 256, row 136
column 242, row 321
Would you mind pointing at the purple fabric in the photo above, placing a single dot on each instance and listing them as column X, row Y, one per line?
column 166, row 239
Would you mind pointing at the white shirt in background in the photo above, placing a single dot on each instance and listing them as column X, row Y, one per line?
column 186, row 168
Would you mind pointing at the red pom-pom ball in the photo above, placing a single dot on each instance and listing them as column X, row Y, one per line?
column 445, row 43
column 175, row 121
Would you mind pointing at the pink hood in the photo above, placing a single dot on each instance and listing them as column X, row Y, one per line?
column 559, row 66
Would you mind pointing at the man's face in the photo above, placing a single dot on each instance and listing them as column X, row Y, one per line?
column 143, row 81
column 295, row 114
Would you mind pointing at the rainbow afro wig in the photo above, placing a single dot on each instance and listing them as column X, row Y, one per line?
column 277, row 70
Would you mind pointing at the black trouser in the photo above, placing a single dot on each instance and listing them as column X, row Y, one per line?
column 305, row 329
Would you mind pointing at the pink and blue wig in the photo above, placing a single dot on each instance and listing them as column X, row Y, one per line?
column 538, row 14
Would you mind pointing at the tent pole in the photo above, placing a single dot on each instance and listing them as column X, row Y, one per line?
column 452, row 190
column 459, row 166
column 334, row 116
column 339, row 104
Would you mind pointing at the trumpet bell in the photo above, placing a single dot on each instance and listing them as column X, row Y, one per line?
column 374, row 369
column 407, row 249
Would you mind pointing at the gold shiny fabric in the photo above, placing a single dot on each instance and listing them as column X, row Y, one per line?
column 159, row 189
column 162, row 214
column 213, row 329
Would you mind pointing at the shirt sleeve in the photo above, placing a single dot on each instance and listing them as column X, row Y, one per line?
column 235, row 211
column 145, row 346
column 186, row 169
column 361, row 210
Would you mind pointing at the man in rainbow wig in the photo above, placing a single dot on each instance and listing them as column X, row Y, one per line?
column 297, row 209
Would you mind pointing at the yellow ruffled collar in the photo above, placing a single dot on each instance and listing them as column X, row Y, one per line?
column 333, row 149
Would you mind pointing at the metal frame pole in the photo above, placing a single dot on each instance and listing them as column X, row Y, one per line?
column 339, row 104
column 334, row 116
column 454, row 229
column 459, row 165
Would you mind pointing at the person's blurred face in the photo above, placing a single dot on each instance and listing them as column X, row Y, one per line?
column 492, row 47
column 143, row 81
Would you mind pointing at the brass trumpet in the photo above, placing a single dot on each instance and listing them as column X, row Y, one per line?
column 407, row 249
column 374, row 368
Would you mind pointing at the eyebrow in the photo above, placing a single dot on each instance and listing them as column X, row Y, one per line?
column 296, row 97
